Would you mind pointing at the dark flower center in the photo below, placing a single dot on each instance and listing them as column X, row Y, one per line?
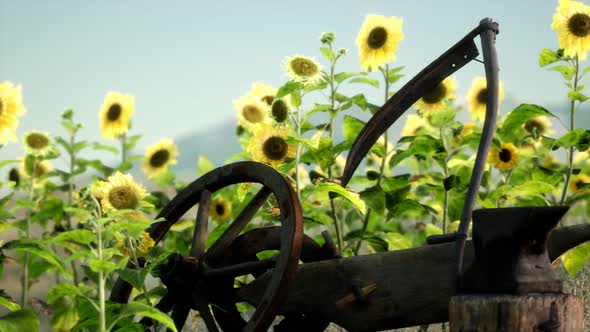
column 1, row 106
column 268, row 99
column 114, row 112
column 377, row 38
column 160, row 158
column 505, row 155
column 482, row 96
column 123, row 198
column 579, row 25
column 219, row 209
column 37, row 141
column 303, row 67
column 435, row 95
column 279, row 111
column 534, row 125
column 275, row 148
column 252, row 113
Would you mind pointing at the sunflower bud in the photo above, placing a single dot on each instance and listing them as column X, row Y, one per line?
column 327, row 37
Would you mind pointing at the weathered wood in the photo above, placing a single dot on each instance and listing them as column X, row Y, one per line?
column 413, row 287
column 514, row 313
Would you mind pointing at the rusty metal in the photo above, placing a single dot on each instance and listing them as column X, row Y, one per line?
column 188, row 282
column 552, row 324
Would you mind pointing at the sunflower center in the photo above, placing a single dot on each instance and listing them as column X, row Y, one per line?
column 14, row 176
column 482, row 96
column 505, row 155
column 252, row 114
column 435, row 95
column 304, row 67
column 123, row 198
column 377, row 38
column 114, row 112
column 37, row 141
column 268, row 99
column 279, row 111
column 579, row 25
column 534, row 125
column 219, row 209
column 275, row 148
column 1, row 106
column 160, row 158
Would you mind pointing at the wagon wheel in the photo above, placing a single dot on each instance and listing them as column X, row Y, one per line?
column 205, row 277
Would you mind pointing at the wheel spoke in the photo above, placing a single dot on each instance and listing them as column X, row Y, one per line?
column 232, row 232
column 179, row 315
column 207, row 317
column 240, row 269
column 200, row 233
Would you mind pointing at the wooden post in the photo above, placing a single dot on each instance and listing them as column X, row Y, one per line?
column 513, row 313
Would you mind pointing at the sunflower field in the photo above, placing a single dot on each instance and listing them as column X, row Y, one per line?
column 79, row 226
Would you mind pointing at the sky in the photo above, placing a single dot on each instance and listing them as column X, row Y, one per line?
column 186, row 61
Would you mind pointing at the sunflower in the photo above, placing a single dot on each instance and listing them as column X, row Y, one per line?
column 436, row 98
column 11, row 107
column 220, row 209
column 505, row 158
column 304, row 70
column 413, row 124
column 467, row 130
column 37, row 143
column 538, row 126
column 577, row 182
column 41, row 168
column 279, row 110
column 158, row 157
column 251, row 112
column 269, row 145
column 264, row 92
column 572, row 23
column 377, row 40
column 120, row 193
column 115, row 114
column 145, row 243
column 477, row 95
column 14, row 176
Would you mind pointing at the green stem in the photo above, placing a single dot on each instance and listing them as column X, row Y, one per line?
column 123, row 149
column 381, row 168
column 570, row 167
column 298, row 150
column 101, row 283
column 31, row 197
column 446, row 175
column 70, row 199
column 136, row 262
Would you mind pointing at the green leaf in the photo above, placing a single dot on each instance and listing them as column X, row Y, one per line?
column 61, row 290
column 548, row 57
column 351, row 127
column 7, row 162
column 81, row 236
column 574, row 259
column 204, row 165
column 295, row 98
column 351, row 196
column 512, row 127
column 97, row 265
column 19, row 321
column 577, row 96
column 38, row 249
column 393, row 74
column 340, row 77
column 359, row 100
column 374, row 197
column 580, row 138
column 104, row 147
column 378, row 244
column 328, row 53
column 566, row 71
column 443, row 117
column 12, row 306
column 365, row 80
column 135, row 277
column 144, row 310
column 131, row 141
column 287, row 88
column 397, row 241
column 431, row 229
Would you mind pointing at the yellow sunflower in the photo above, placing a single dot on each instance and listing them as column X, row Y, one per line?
column 572, row 23
column 505, row 158
column 41, row 168
column 115, row 114
column 251, row 112
column 263, row 92
column 304, row 69
column 436, row 98
column 477, row 95
column 413, row 124
column 120, row 193
column 538, row 126
column 145, row 243
column 467, row 130
column 377, row 40
column 220, row 209
column 11, row 107
column 269, row 145
column 37, row 143
column 280, row 110
column 14, row 176
column 158, row 157
column 577, row 182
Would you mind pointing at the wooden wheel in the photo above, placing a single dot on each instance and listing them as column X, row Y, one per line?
column 206, row 277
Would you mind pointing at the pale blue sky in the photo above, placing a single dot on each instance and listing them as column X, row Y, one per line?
column 185, row 61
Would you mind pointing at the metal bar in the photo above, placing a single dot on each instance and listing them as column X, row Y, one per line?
column 488, row 29
column 200, row 232
column 239, row 269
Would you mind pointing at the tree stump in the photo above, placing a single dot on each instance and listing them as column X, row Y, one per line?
column 512, row 313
